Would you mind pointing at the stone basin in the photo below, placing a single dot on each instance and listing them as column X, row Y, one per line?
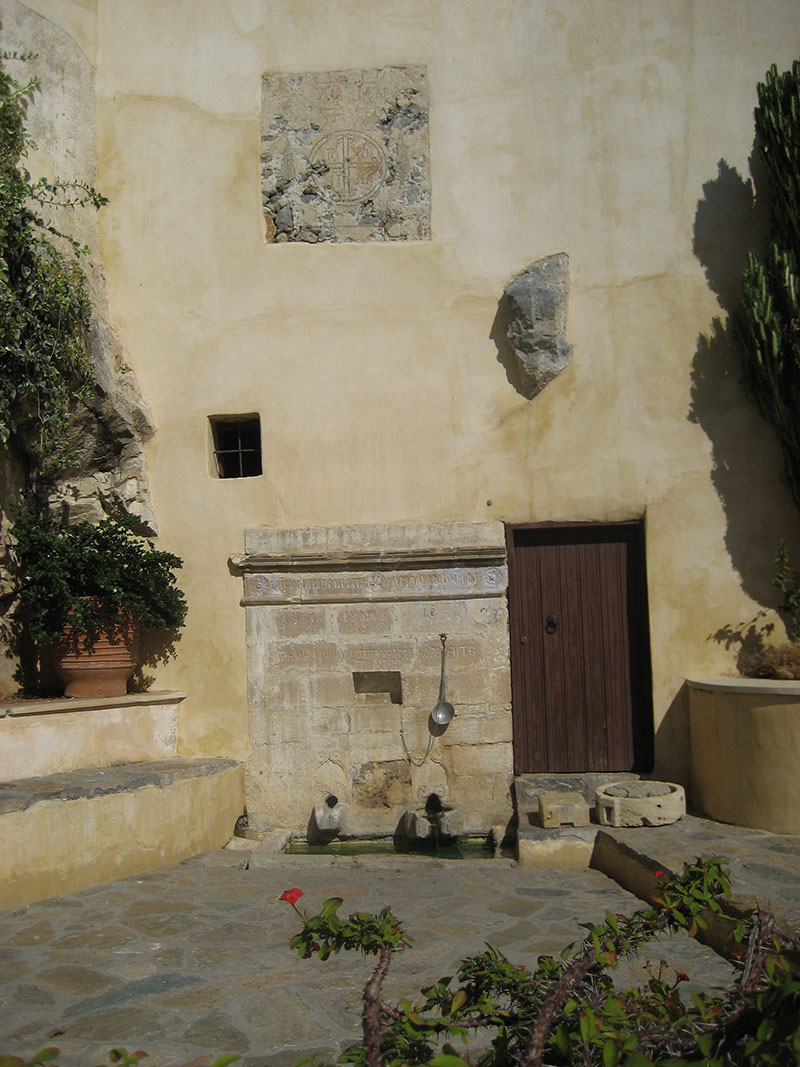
column 640, row 803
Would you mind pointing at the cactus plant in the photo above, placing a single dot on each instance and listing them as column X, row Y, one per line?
column 769, row 314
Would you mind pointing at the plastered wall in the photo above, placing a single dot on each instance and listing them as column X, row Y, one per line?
column 379, row 369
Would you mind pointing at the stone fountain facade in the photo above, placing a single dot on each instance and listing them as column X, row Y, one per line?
column 343, row 660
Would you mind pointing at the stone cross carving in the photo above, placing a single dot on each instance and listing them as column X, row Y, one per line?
column 344, row 155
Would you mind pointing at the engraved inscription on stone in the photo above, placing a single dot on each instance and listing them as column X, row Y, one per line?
column 364, row 620
column 307, row 655
column 458, row 652
column 379, row 657
column 344, row 155
column 447, row 583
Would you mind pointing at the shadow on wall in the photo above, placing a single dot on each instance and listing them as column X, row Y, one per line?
column 731, row 219
column 505, row 353
column 673, row 759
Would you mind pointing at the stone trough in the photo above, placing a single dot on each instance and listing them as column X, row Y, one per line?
column 640, row 803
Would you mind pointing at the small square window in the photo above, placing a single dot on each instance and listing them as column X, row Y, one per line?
column 237, row 445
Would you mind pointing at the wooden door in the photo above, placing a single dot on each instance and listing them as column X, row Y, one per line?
column 580, row 662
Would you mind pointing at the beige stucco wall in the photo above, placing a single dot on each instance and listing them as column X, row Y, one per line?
column 554, row 126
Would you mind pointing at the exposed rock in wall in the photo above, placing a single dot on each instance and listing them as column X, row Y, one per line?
column 382, row 783
column 536, row 303
column 105, row 440
column 107, row 469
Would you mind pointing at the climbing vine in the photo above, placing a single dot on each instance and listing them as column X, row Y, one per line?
column 44, row 300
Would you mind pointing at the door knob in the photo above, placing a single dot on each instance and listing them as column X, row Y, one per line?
column 551, row 624
column 523, row 640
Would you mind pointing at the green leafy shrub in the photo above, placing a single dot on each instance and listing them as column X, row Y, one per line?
column 113, row 563
column 769, row 314
column 44, row 302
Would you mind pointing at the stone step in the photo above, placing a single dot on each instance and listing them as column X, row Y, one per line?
column 527, row 787
column 565, row 846
column 82, row 828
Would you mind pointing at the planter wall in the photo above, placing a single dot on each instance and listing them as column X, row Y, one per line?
column 68, row 832
column 41, row 737
column 745, row 748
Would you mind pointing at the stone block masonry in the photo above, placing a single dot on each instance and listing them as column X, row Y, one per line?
column 344, row 661
column 344, row 155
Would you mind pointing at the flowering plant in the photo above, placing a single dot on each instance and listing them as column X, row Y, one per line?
column 567, row 1011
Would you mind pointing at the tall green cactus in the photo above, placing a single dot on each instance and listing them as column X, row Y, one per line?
column 769, row 315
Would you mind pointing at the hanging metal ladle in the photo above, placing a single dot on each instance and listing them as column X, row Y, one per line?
column 444, row 710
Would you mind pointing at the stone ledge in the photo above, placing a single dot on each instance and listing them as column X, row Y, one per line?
column 94, row 782
column 753, row 686
column 562, row 848
column 353, row 547
column 60, row 704
column 637, row 872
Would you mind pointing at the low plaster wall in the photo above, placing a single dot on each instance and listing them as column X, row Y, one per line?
column 745, row 739
column 343, row 661
column 57, row 842
column 50, row 737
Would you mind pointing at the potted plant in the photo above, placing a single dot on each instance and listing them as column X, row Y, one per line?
column 85, row 590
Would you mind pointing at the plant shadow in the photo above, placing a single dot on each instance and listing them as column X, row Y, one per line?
column 730, row 219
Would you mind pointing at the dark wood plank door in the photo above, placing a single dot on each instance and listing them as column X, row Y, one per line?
column 580, row 669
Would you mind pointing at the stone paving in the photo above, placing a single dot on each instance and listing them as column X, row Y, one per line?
column 762, row 865
column 194, row 961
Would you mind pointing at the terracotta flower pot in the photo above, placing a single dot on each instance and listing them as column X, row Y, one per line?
column 98, row 665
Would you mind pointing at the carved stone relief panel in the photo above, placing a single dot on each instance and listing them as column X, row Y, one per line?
column 344, row 155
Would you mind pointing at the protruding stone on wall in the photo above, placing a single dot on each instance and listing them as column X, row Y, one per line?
column 536, row 303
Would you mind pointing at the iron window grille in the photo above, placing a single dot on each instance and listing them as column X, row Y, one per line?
column 237, row 445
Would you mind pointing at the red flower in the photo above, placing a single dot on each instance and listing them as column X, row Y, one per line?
column 681, row 977
column 660, row 874
column 291, row 895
